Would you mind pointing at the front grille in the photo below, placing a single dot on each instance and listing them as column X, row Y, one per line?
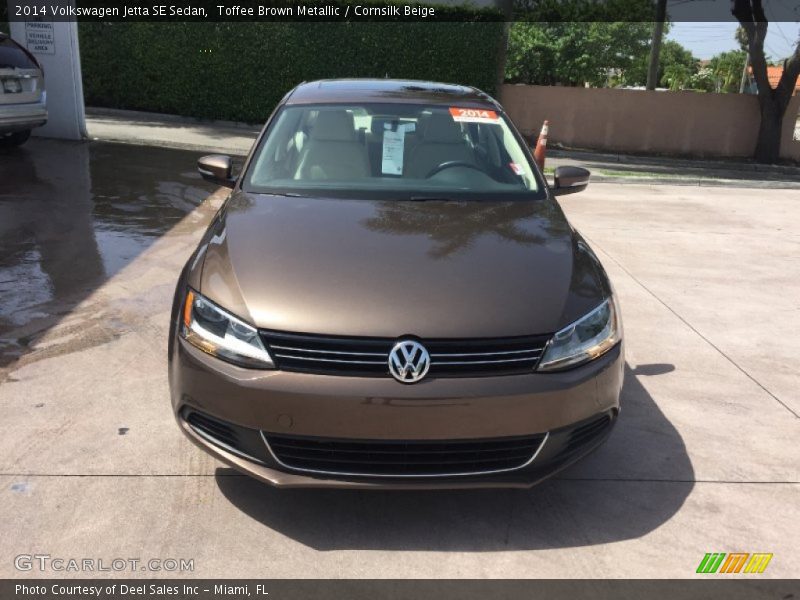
column 380, row 458
column 368, row 357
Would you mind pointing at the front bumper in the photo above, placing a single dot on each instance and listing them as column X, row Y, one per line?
column 561, row 405
column 19, row 117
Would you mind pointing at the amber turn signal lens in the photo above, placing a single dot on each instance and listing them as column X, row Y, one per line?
column 187, row 308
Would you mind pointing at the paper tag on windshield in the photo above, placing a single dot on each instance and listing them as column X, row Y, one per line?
column 393, row 142
column 473, row 115
column 517, row 168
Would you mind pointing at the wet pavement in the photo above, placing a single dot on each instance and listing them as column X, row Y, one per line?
column 72, row 215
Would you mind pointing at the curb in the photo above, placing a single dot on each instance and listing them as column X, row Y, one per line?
column 737, row 183
column 135, row 115
column 173, row 145
column 635, row 159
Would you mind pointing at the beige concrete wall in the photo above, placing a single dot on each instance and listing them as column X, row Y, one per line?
column 676, row 123
column 790, row 148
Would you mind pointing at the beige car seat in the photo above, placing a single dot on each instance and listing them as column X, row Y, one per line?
column 442, row 141
column 333, row 151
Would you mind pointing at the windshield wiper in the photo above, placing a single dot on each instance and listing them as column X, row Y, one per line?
column 431, row 199
column 287, row 194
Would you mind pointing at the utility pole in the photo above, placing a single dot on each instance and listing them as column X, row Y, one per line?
column 507, row 8
column 655, row 44
column 744, row 74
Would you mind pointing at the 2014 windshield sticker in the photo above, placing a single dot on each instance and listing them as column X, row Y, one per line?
column 473, row 115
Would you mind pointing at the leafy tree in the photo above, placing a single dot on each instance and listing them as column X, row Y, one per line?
column 703, row 80
column 727, row 68
column 722, row 75
column 574, row 53
column 676, row 57
column 772, row 102
column 677, row 76
column 674, row 60
column 741, row 38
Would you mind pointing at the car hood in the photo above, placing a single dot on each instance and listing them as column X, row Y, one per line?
column 431, row 269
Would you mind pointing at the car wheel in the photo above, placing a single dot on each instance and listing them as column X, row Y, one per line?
column 15, row 139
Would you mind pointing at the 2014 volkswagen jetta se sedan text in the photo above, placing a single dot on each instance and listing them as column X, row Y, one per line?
column 392, row 297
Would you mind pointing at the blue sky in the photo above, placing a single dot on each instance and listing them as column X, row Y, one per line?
column 707, row 39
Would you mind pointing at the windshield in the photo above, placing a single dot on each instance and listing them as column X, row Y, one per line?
column 396, row 151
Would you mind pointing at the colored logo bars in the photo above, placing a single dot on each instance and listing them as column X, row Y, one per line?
column 735, row 562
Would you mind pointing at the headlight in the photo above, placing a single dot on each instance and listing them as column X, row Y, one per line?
column 218, row 332
column 585, row 339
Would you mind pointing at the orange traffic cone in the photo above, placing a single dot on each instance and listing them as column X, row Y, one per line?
column 541, row 146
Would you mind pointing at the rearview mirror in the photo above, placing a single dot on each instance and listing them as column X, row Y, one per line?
column 569, row 180
column 216, row 168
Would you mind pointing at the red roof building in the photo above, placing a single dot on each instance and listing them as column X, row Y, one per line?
column 774, row 75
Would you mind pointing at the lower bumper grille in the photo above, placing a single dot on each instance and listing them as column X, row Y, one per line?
column 589, row 432
column 239, row 440
column 379, row 458
column 217, row 430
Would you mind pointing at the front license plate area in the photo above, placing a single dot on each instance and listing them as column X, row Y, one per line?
column 11, row 85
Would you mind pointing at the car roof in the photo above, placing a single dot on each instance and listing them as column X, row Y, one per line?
column 396, row 91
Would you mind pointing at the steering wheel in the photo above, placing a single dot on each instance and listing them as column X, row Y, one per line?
column 450, row 164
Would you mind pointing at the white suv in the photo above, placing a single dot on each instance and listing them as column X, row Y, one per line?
column 23, row 104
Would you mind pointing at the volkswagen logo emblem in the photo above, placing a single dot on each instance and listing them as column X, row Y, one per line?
column 409, row 361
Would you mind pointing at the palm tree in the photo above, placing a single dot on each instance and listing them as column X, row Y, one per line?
column 676, row 76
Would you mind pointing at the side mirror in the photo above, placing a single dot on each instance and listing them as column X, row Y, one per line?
column 216, row 168
column 569, row 180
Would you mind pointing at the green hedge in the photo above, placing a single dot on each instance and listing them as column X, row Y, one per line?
column 239, row 71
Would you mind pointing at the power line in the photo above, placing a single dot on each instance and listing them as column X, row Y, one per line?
column 778, row 25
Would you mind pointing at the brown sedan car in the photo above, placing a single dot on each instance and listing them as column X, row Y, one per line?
column 391, row 297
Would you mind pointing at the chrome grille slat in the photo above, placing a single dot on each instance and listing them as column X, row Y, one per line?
column 485, row 362
column 383, row 354
column 332, row 360
column 446, row 355
column 368, row 356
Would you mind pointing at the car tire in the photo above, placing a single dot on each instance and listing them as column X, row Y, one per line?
column 15, row 139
